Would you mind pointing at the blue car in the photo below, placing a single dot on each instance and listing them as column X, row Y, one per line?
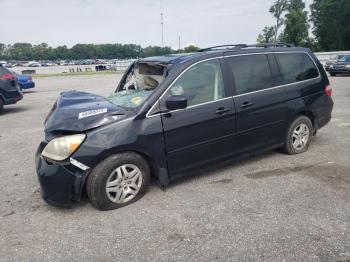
column 24, row 81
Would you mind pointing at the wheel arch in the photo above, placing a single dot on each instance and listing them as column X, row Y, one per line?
column 156, row 171
column 311, row 115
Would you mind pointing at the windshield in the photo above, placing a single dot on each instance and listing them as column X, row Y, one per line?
column 129, row 98
column 345, row 59
column 138, row 84
column 338, row 57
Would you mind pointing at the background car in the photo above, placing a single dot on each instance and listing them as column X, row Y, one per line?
column 9, row 91
column 332, row 61
column 24, row 81
column 341, row 67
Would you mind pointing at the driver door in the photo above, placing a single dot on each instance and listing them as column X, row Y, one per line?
column 203, row 131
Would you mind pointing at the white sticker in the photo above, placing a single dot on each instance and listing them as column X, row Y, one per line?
column 92, row 112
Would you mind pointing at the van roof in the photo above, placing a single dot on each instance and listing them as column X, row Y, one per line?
column 221, row 51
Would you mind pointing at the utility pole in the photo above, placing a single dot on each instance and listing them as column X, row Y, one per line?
column 162, row 25
column 179, row 43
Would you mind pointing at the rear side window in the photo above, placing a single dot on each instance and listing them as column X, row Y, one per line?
column 250, row 72
column 296, row 67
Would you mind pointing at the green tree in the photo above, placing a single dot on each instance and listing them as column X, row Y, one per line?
column 2, row 50
column 20, row 51
column 61, row 52
column 277, row 10
column 156, row 51
column 296, row 24
column 267, row 35
column 331, row 20
column 190, row 49
column 41, row 51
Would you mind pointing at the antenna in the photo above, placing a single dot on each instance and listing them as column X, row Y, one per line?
column 161, row 22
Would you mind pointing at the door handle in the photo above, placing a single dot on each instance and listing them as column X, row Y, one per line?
column 221, row 111
column 246, row 104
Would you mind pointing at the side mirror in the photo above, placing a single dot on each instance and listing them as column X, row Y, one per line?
column 176, row 102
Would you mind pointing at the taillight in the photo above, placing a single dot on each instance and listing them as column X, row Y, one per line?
column 30, row 78
column 328, row 91
column 7, row 76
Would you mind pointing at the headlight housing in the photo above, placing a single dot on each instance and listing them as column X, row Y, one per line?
column 348, row 66
column 62, row 147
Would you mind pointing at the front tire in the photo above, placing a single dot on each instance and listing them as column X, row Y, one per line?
column 118, row 181
column 333, row 74
column 299, row 136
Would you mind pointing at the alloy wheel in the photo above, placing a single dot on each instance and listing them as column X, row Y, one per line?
column 124, row 183
column 300, row 136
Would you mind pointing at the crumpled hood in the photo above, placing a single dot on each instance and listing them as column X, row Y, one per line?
column 80, row 111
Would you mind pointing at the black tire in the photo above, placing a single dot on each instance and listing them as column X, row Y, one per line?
column 288, row 147
column 1, row 105
column 333, row 74
column 97, row 180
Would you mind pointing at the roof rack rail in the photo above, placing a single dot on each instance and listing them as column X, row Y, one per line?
column 234, row 46
column 266, row 45
column 222, row 47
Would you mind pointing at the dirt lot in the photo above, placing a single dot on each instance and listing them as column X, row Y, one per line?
column 270, row 207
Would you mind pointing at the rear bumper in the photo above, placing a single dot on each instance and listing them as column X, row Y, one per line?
column 61, row 184
column 13, row 98
column 339, row 71
column 27, row 85
column 326, row 115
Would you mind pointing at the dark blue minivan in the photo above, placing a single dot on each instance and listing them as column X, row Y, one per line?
column 170, row 115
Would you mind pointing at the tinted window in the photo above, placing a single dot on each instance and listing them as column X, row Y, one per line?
column 251, row 73
column 296, row 67
column 200, row 84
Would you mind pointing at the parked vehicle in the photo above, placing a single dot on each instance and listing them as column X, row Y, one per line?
column 172, row 114
column 9, row 91
column 24, row 81
column 332, row 61
column 341, row 67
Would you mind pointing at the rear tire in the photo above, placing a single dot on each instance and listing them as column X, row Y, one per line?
column 299, row 136
column 118, row 181
column 333, row 74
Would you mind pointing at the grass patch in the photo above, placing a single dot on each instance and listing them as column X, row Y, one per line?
column 78, row 74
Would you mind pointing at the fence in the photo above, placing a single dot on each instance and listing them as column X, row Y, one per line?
column 325, row 56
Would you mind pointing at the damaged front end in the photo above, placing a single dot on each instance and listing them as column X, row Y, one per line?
column 62, row 161
column 60, row 175
column 76, row 112
column 61, row 183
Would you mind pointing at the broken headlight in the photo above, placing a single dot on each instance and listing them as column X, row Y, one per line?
column 62, row 147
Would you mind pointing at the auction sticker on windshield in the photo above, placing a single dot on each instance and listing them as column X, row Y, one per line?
column 92, row 112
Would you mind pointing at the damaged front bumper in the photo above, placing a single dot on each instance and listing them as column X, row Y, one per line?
column 61, row 183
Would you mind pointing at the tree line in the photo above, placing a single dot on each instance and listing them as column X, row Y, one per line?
column 27, row 51
column 328, row 20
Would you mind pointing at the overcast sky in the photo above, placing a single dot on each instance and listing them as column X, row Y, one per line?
column 67, row 22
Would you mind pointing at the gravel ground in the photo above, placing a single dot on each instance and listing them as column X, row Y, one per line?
column 270, row 207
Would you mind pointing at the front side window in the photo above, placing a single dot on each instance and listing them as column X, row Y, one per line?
column 296, row 67
column 250, row 72
column 201, row 83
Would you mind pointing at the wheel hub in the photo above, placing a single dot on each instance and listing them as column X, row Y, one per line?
column 300, row 137
column 124, row 183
